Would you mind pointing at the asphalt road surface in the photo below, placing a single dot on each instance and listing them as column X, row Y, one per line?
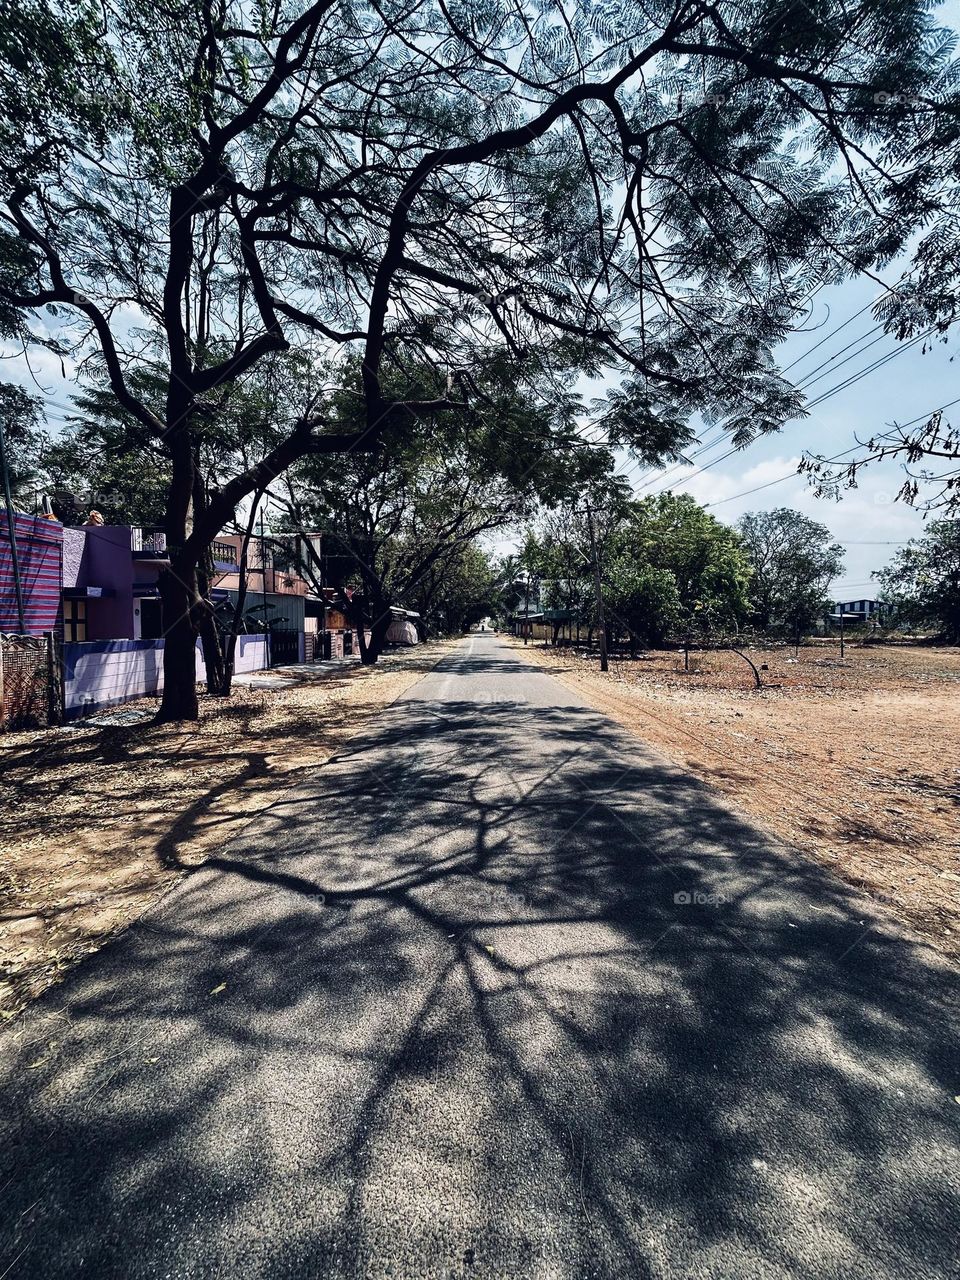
column 505, row 996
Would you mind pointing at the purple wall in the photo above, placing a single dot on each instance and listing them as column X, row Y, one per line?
column 109, row 564
column 100, row 556
column 107, row 672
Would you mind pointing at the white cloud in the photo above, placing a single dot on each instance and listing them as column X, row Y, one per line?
column 866, row 520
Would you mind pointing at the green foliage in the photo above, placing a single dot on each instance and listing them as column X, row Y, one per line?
column 57, row 82
column 672, row 533
column 921, row 586
column 642, row 600
column 482, row 200
column 793, row 561
column 459, row 591
column 24, row 440
column 668, row 568
column 400, row 524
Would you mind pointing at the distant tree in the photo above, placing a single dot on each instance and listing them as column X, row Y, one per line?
column 641, row 601
column 922, row 584
column 666, row 565
column 457, row 591
column 396, row 520
column 24, row 440
column 673, row 533
column 793, row 561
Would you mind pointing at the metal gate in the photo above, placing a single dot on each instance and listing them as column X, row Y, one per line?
column 30, row 684
column 284, row 647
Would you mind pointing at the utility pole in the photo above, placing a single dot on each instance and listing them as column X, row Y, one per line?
column 263, row 580
column 841, row 630
column 526, row 620
column 12, row 529
column 601, row 619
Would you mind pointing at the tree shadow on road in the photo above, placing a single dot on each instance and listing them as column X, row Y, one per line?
column 494, row 993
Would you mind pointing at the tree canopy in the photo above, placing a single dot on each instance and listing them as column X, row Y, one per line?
column 512, row 194
column 921, row 585
column 792, row 560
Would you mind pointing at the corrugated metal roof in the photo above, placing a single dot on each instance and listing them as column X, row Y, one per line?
column 40, row 555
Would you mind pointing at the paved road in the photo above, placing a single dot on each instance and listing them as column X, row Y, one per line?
column 506, row 996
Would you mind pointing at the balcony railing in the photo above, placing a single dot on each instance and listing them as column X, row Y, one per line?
column 148, row 543
column 225, row 552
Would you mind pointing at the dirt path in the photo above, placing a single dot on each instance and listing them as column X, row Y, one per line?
column 100, row 821
column 853, row 761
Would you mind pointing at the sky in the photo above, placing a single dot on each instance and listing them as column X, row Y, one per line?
column 866, row 520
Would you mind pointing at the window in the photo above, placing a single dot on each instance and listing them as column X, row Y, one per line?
column 74, row 620
column 151, row 619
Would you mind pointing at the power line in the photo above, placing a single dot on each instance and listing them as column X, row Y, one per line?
column 820, row 400
column 834, row 332
column 862, row 373
column 924, row 417
column 808, row 379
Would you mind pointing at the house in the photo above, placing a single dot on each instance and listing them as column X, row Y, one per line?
column 96, row 589
column 527, row 624
column 858, row 610
column 330, row 633
column 277, row 598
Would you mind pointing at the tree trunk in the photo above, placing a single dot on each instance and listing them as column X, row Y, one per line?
column 365, row 660
column 213, row 658
column 230, row 656
column 181, row 602
column 378, row 635
column 209, row 636
column 179, row 587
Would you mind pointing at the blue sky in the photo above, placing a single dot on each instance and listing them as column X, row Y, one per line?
column 866, row 520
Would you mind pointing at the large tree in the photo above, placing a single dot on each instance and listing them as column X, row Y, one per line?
column 793, row 560
column 673, row 533
column 395, row 520
column 647, row 190
column 921, row 585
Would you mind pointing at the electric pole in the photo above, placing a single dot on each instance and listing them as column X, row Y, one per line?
column 601, row 619
column 12, row 529
column 526, row 622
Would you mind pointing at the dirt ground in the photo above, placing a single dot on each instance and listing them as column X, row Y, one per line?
column 856, row 761
column 99, row 820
